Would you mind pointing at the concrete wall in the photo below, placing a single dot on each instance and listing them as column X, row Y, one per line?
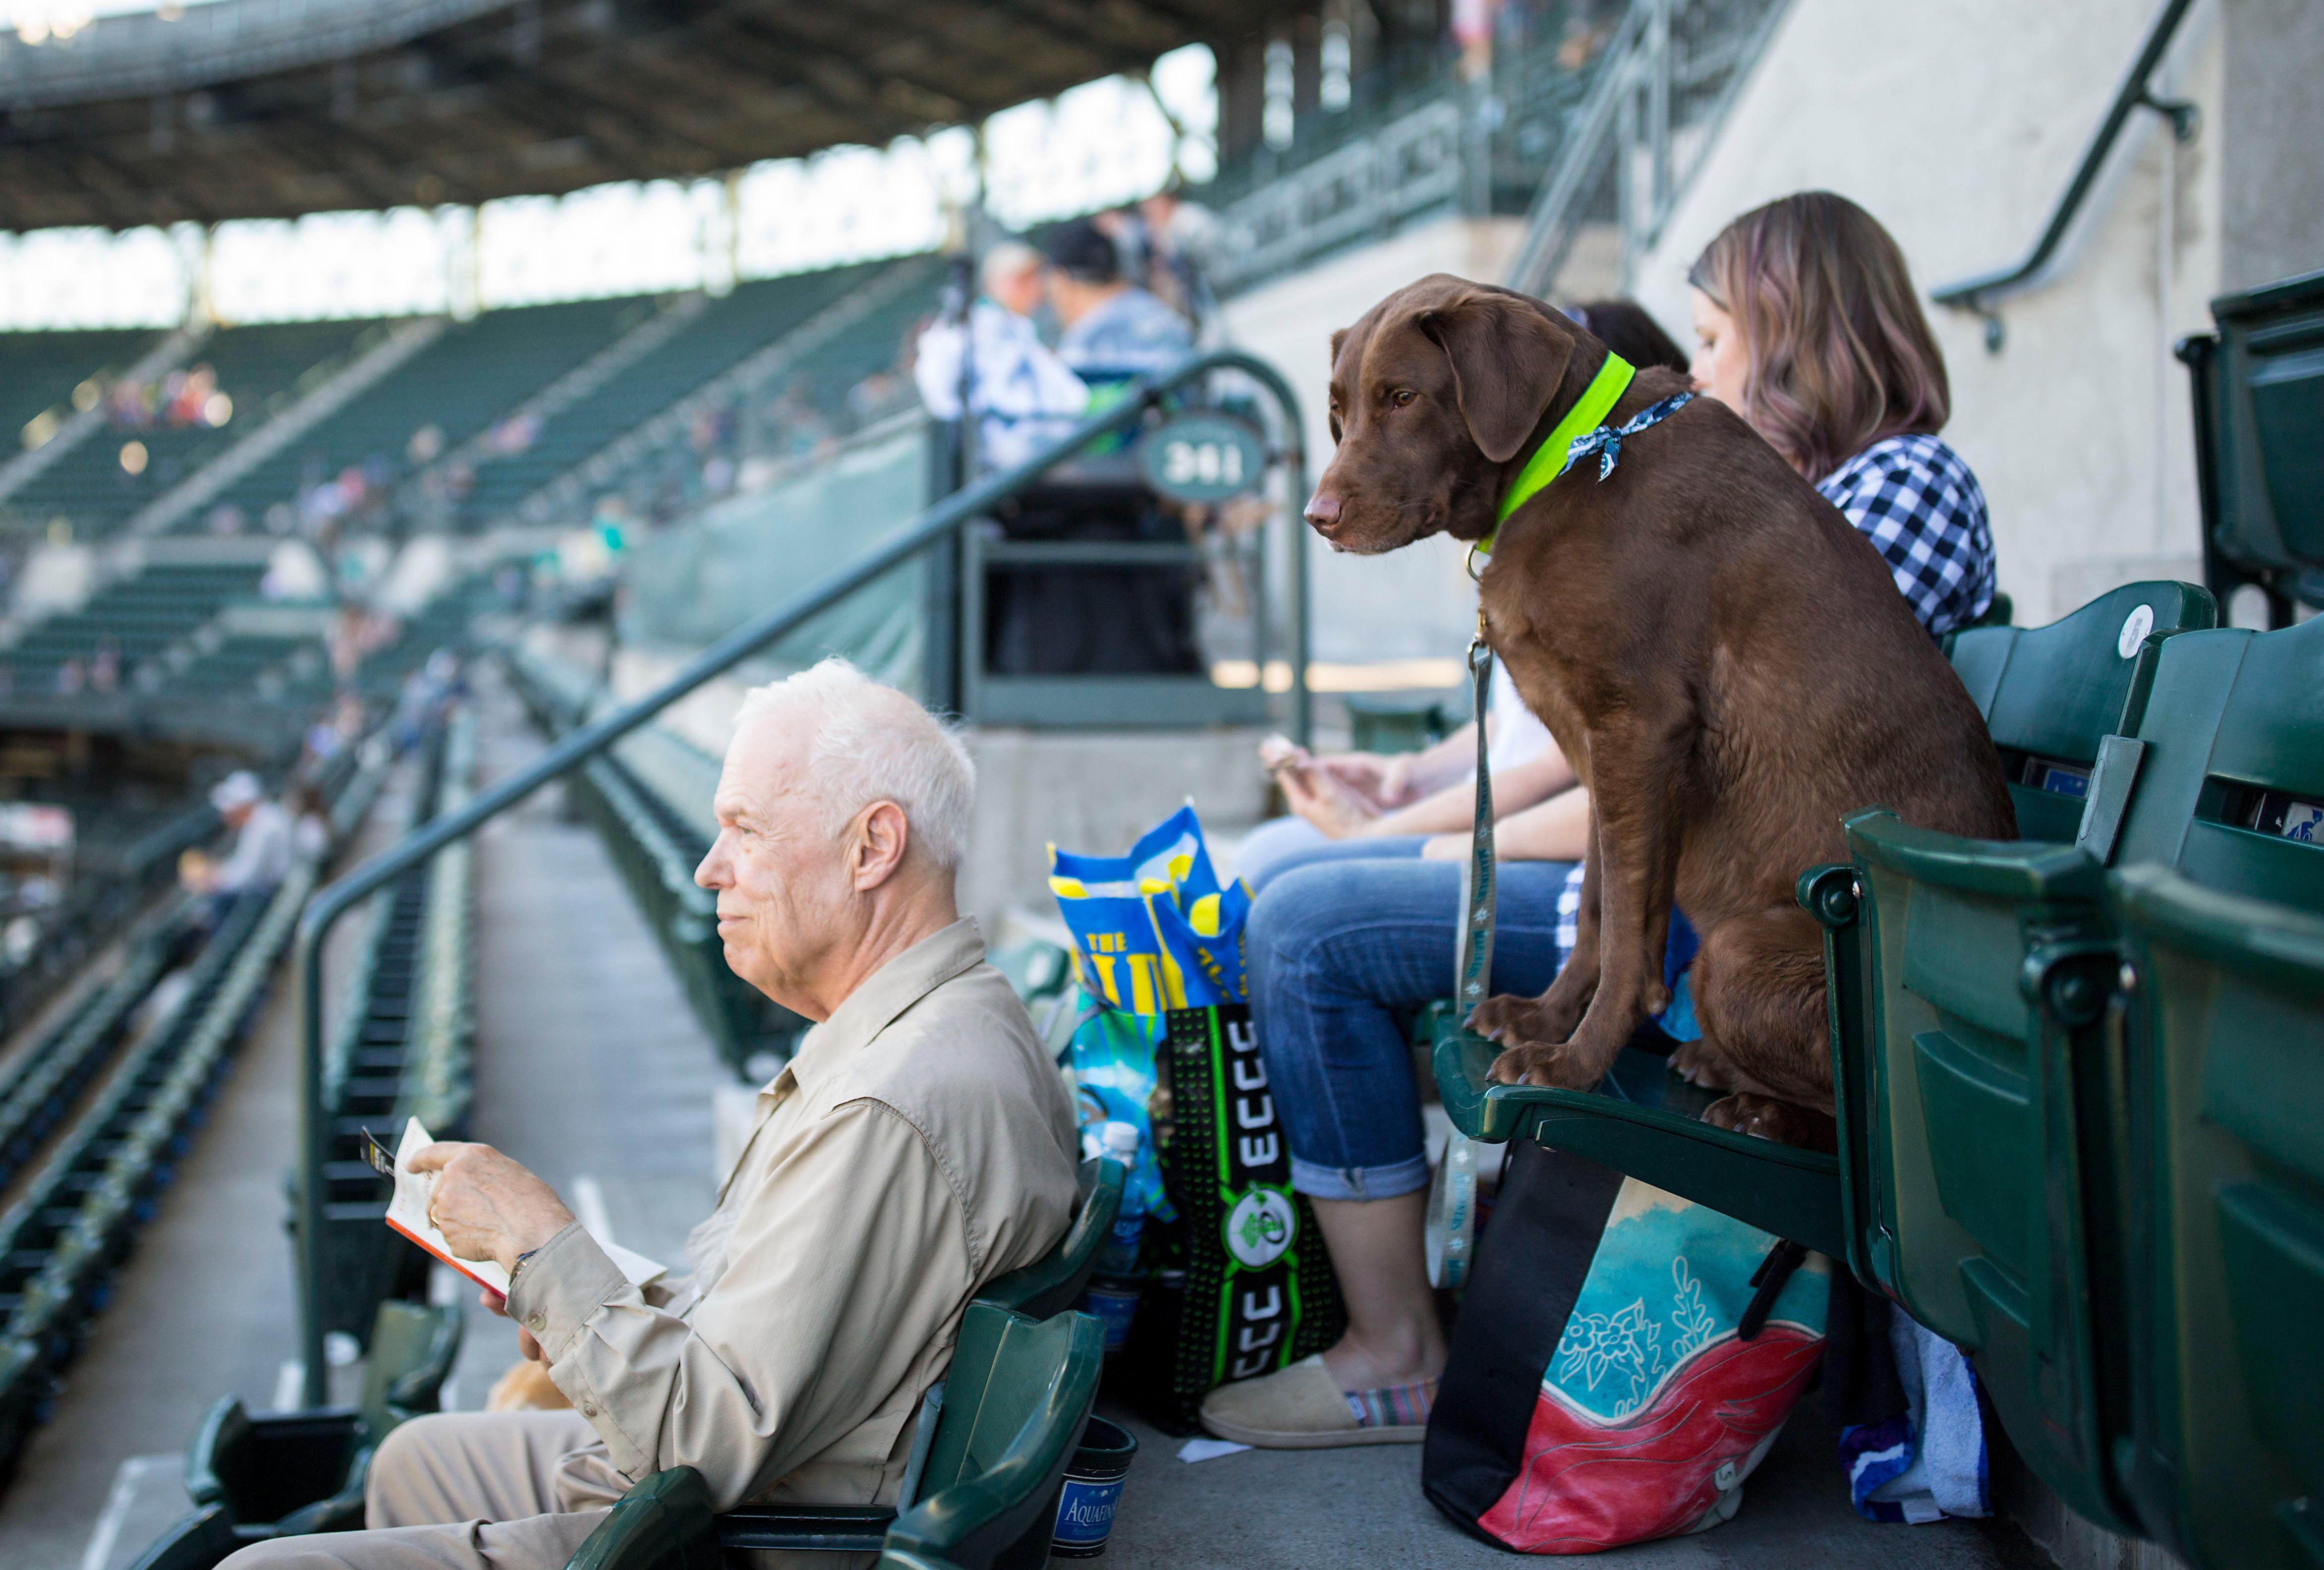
column 1417, row 603
column 1957, row 122
column 2272, row 129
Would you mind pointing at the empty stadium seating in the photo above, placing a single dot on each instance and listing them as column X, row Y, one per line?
column 721, row 334
column 2258, row 398
column 140, row 618
column 262, row 369
column 475, row 372
column 649, row 801
column 282, row 1474
column 39, row 371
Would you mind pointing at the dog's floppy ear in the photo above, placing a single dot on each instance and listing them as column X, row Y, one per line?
column 1506, row 358
column 1339, row 337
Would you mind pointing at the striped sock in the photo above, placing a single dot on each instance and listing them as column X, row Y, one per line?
column 1395, row 1407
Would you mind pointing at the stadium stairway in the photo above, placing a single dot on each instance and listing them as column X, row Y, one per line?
column 649, row 801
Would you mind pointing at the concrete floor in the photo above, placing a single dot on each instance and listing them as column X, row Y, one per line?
column 1287, row 1510
column 591, row 1068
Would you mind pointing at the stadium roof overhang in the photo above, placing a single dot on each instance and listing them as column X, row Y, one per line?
column 272, row 109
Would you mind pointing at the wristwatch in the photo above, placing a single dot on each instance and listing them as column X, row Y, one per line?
column 520, row 1265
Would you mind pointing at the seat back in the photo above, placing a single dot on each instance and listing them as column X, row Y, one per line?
column 1054, row 1282
column 664, row 1523
column 413, row 1350
column 2260, row 401
column 2231, row 790
column 1015, row 1396
column 2225, row 1048
column 2050, row 695
column 194, row 1542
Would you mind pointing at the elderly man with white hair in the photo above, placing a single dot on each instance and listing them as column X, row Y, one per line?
column 1022, row 394
column 919, row 1144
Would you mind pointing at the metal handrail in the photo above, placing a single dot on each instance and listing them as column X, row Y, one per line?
column 1978, row 293
column 934, row 525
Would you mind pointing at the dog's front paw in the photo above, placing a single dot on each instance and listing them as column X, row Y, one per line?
column 1697, row 1063
column 1764, row 1117
column 1560, row 1067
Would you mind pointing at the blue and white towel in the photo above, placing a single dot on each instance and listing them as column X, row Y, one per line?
column 1927, row 1462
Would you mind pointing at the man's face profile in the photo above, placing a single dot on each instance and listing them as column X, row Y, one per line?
column 781, row 875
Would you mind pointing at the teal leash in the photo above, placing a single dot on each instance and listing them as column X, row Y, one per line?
column 1474, row 969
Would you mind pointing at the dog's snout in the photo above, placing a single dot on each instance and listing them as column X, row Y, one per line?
column 1323, row 508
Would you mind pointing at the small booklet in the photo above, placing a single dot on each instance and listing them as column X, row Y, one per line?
column 407, row 1212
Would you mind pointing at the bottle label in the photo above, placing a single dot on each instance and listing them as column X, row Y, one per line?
column 1085, row 1511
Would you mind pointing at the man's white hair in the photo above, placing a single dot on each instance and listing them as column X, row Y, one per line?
column 1006, row 260
column 867, row 743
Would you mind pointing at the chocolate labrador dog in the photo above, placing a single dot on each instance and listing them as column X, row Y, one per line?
column 1723, row 656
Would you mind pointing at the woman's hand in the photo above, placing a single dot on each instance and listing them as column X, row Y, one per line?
column 1386, row 783
column 1319, row 796
column 486, row 1205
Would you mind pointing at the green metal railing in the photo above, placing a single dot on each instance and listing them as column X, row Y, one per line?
column 934, row 526
column 1982, row 292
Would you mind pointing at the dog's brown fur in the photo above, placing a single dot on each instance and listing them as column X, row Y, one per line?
column 1724, row 658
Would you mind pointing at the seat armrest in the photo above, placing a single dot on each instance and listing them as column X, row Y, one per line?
column 2001, row 869
column 816, row 1529
column 261, row 1468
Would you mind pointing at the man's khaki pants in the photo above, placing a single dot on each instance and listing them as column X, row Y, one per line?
column 467, row 1490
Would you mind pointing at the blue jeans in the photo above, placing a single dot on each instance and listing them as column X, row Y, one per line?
column 1345, row 940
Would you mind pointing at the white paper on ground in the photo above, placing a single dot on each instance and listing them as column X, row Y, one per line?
column 407, row 1212
column 1208, row 1449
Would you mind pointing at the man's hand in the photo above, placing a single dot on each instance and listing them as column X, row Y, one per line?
column 525, row 1343
column 486, row 1205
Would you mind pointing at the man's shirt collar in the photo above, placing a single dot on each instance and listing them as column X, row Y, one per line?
column 884, row 994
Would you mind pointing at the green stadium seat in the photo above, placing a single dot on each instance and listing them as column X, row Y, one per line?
column 2258, row 403
column 980, row 1493
column 2224, row 1020
column 2050, row 695
column 281, row 1474
column 665, row 1523
column 197, row 1542
column 1054, row 1282
column 1971, row 985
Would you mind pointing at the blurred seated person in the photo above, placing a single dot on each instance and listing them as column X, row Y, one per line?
column 1082, row 621
column 919, row 1144
column 1023, row 395
column 1111, row 327
column 1166, row 243
column 263, row 844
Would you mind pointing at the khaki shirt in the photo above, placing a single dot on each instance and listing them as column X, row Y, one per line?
column 919, row 1144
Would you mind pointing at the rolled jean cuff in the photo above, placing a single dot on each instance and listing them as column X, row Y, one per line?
column 1359, row 1182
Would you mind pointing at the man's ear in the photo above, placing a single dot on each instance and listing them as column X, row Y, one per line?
column 1508, row 358
column 882, row 837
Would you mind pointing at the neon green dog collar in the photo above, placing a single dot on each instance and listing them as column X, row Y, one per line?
column 1549, row 459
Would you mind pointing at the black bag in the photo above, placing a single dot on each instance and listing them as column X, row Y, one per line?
column 1244, row 1286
